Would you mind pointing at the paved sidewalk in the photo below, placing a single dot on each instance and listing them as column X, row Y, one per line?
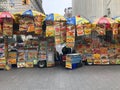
column 59, row 78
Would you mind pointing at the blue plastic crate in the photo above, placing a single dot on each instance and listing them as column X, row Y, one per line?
column 74, row 65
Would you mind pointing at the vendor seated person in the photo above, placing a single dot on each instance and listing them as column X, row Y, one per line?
column 66, row 50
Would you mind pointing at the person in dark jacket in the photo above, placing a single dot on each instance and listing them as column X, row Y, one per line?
column 66, row 50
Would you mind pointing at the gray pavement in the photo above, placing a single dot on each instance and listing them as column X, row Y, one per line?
column 59, row 78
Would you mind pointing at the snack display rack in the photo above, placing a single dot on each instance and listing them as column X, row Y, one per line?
column 100, row 47
column 12, row 57
column 21, row 58
column 50, row 52
column 96, row 45
column 2, row 57
column 42, row 53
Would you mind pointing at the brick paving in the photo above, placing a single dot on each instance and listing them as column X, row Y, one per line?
column 59, row 78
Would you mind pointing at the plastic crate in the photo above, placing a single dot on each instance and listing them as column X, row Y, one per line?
column 74, row 66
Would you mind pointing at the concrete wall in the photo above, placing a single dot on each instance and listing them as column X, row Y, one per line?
column 17, row 6
column 3, row 5
column 95, row 8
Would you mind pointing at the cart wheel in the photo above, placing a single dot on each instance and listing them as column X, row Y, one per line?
column 41, row 64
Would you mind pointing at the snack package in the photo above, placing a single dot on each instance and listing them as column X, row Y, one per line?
column 97, row 61
column 43, row 56
column 32, row 55
column 50, row 59
column 7, row 27
column 21, row 64
column 12, row 55
column 101, row 31
column 87, row 31
column 63, row 34
column 57, row 30
column 31, row 28
column 96, row 56
column 21, row 56
column 29, row 64
column 89, row 58
column 38, row 21
column 2, row 65
column 38, row 30
column 117, row 51
column 70, row 45
column 50, row 31
column 112, row 61
column 104, row 59
column 96, row 51
column 115, row 29
column 80, row 30
column 3, row 60
column 68, row 65
column 11, row 61
column 50, row 64
column 22, row 24
column 117, row 61
column 12, row 58
column 30, row 24
column 104, row 50
column 70, row 36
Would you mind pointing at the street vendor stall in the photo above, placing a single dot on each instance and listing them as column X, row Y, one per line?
column 103, row 42
column 6, row 32
column 56, row 29
column 80, row 29
column 30, row 26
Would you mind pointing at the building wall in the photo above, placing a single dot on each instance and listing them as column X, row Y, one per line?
column 3, row 5
column 17, row 6
column 96, row 8
column 114, row 8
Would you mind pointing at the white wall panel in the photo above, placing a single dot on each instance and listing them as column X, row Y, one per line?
column 95, row 8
